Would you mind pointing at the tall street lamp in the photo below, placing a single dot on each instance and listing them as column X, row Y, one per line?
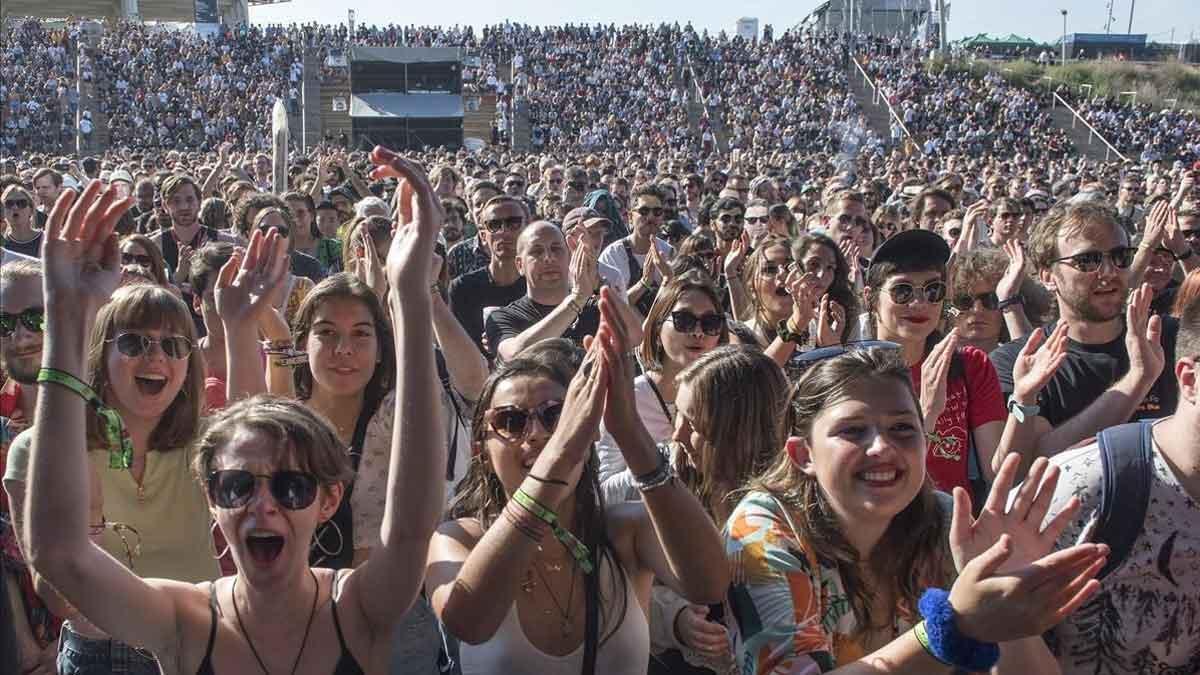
column 1064, row 38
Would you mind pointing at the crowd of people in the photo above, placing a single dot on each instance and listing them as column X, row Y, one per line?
column 614, row 406
column 1143, row 132
column 38, row 91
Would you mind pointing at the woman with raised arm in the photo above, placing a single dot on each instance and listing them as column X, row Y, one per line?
column 535, row 574
column 840, row 546
column 277, row 614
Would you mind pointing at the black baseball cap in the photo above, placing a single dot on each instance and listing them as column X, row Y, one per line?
column 914, row 246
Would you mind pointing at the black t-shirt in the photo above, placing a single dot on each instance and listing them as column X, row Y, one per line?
column 1088, row 371
column 472, row 292
column 519, row 316
column 31, row 248
column 304, row 265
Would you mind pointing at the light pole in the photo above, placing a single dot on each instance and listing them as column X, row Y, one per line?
column 1064, row 38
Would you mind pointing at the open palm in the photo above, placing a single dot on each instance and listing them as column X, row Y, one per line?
column 249, row 280
column 81, row 261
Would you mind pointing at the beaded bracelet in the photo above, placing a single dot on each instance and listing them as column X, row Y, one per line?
column 661, row 475
column 576, row 547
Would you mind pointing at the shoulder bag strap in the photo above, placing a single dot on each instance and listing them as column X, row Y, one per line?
column 1127, row 459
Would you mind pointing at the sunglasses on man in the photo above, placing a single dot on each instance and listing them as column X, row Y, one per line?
column 1090, row 261
column 32, row 318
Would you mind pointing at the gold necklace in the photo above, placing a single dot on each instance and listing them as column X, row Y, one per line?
column 564, row 614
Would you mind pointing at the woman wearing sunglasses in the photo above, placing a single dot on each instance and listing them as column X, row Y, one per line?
column 535, row 574
column 141, row 259
column 963, row 408
column 143, row 507
column 684, row 323
column 728, row 429
column 273, row 470
column 766, row 276
column 840, row 547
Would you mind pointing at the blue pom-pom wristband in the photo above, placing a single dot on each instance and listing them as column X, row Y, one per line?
column 945, row 643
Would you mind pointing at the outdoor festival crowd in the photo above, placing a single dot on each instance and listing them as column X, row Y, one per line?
column 617, row 406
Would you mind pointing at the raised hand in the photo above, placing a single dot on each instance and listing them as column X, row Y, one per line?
column 80, row 257
column 367, row 266
column 736, row 258
column 585, row 272
column 1037, row 362
column 251, row 279
column 851, row 252
column 1010, row 284
column 994, row 606
column 655, row 261
column 579, row 425
column 419, row 220
column 802, row 286
column 934, row 374
column 1143, row 335
column 831, row 321
column 1022, row 521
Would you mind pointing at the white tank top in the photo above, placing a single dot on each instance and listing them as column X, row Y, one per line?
column 626, row 652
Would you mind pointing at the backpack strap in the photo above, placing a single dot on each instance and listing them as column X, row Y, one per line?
column 1127, row 458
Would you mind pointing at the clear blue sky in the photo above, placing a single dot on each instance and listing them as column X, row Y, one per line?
column 1039, row 19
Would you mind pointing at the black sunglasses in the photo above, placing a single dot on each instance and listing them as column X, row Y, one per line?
column 710, row 324
column 16, row 204
column 134, row 345
column 754, row 220
column 283, row 231
column 645, row 211
column 904, row 293
column 233, row 488
column 731, row 219
column 1190, row 235
column 512, row 224
column 965, row 302
column 1090, row 261
column 137, row 259
column 512, row 422
column 33, row 318
column 576, row 184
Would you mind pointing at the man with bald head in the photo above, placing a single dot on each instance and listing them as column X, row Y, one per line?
column 559, row 299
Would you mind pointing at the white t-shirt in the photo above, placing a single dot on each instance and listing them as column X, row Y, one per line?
column 1146, row 618
column 614, row 257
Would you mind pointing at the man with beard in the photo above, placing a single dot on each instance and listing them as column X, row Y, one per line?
column 181, row 200
column 640, row 269
column 21, row 316
column 499, row 282
column 1113, row 368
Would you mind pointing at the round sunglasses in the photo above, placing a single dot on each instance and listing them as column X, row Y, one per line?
column 134, row 345
column 234, row 488
column 513, row 422
column 903, row 293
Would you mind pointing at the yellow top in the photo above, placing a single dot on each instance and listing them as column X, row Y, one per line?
column 172, row 518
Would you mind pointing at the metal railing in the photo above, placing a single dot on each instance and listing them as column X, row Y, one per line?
column 1076, row 118
column 876, row 97
column 699, row 94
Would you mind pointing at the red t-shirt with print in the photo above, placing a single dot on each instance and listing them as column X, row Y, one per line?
column 972, row 400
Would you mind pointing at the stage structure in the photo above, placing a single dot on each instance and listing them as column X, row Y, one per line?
column 406, row 97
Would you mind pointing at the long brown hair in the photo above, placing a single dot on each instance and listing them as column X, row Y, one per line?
column 481, row 495
column 738, row 396
column 348, row 286
column 912, row 554
column 142, row 307
column 651, row 349
column 750, row 277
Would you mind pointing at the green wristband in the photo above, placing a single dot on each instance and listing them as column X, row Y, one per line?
column 120, row 445
column 923, row 637
column 576, row 547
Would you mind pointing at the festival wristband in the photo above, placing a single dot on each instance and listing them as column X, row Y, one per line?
column 938, row 635
column 120, row 445
column 576, row 547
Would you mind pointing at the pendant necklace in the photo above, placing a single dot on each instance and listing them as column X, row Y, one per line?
column 304, row 641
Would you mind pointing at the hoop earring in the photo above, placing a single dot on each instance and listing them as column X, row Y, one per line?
column 316, row 542
column 212, row 531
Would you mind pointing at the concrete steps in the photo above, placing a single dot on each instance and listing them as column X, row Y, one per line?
column 1085, row 143
column 478, row 123
column 878, row 118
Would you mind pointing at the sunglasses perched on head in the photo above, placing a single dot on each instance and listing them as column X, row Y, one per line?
column 710, row 324
column 234, row 488
column 33, row 318
column 136, row 259
column 964, row 302
column 903, row 293
column 134, row 345
column 513, row 422
column 812, row 357
column 1090, row 261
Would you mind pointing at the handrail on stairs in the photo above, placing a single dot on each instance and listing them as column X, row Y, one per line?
column 1076, row 117
column 700, row 97
column 876, row 97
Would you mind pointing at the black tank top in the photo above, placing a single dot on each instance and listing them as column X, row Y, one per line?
column 346, row 665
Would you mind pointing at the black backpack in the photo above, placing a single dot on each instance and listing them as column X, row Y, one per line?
column 1127, row 458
